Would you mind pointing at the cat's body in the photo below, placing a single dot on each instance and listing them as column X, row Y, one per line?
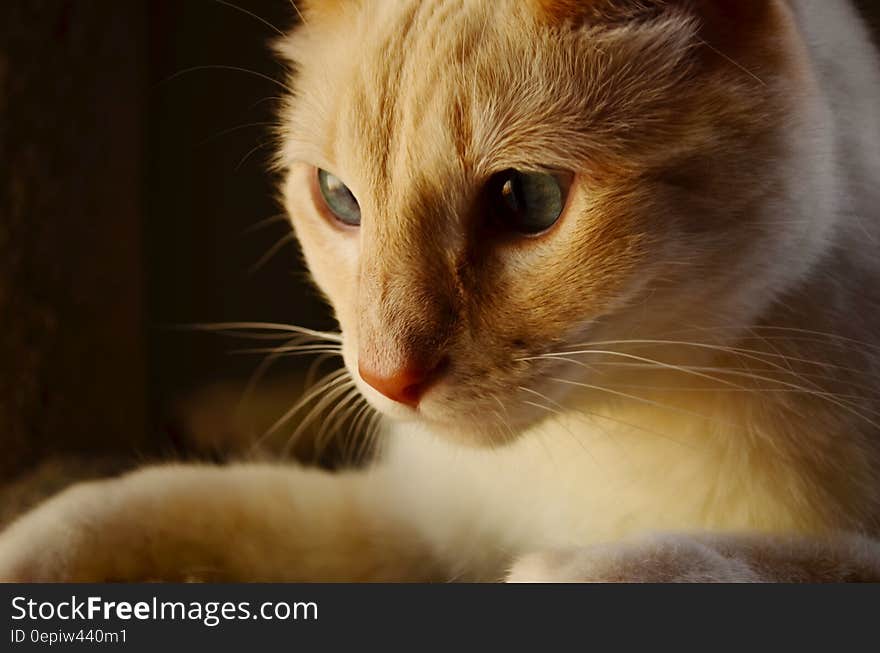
column 694, row 348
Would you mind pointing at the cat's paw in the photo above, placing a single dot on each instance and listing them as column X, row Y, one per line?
column 88, row 533
column 39, row 545
column 659, row 559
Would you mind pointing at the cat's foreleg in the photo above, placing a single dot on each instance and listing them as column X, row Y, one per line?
column 238, row 523
column 708, row 558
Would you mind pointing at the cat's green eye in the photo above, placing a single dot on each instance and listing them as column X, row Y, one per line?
column 527, row 202
column 339, row 199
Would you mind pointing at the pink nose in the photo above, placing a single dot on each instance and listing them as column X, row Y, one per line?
column 406, row 385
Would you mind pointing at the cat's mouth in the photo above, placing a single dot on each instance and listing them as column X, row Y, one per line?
column 482, row 401
column 471, row 407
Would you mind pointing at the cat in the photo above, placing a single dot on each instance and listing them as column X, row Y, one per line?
column 611, row 269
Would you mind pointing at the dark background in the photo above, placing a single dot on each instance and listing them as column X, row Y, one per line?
column 218, row 248
column 128, row 183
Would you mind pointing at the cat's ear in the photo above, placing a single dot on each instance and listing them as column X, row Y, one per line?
column 619, row 10
column 594, row 11
column 322, row 9
column 715, row 16
column 730, row 25
column 311, row 13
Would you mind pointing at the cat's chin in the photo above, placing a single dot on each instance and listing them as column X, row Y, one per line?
column 474, row 435
column 476, row 428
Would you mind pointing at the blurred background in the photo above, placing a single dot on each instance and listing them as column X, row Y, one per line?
column 134, row 196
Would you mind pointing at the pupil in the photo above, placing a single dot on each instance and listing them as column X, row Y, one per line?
column 525, row 202
column 511, row 193
column 339, row 198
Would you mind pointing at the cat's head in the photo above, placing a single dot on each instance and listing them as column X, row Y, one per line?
column 478, row 183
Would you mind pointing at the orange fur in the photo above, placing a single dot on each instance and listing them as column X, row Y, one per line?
column 692, row 348
column 642, row 112
column 682, row 120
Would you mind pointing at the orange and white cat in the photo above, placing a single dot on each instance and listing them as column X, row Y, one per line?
column 611, row 267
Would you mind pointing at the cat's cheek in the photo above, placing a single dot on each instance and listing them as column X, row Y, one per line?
column 333, row 268
column 331, row 255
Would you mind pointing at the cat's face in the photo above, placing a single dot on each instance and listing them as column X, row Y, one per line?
column 477, row 183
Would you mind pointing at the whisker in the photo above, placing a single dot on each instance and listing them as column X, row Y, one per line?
column 315, row 366
column 732, row 61
column 789, row 330
column 268, row 256
column 540, row 395
column 646, row 401
column 542, row 441
column 258, row 374
column 264, row 337
column 584, row 414
column 669, row 388
column 746, row 374
column 696, row 371
column 331, row 424
column 331, row 380
column 721, row 370
column 787, row 360
column 340, row 409
column 250, row 153
column 274, row 219
column 269, row 98
column 238, row 69
column 562, row 414
column 289, row 350
column 753, row 354
column 349, row 428
column 232, row 130
column 505, row 419
column 354, row 434
column 330, row 396
column 564, row 410
column 251, row 14
column 298, row 12
column 361, row 442
column 221, row 327
column 642, row 359
column 374, row 427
